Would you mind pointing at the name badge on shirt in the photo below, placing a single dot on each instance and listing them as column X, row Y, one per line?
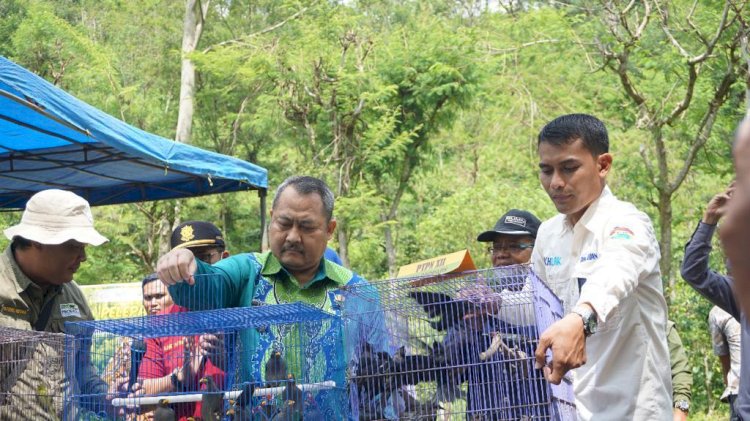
column 13, row 311
column 70, row 310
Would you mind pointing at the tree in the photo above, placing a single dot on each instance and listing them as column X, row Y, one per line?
column 677, row 65
column 195, row 17
column 368, row 111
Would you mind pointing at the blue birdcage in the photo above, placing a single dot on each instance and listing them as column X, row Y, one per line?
column 239, row 378
column 462, row 348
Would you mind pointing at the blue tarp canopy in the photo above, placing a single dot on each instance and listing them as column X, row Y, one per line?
column 50, row 139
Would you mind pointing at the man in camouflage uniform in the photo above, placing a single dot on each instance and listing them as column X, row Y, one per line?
column 37, row 292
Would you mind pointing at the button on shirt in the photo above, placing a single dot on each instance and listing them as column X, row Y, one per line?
column 610, row 260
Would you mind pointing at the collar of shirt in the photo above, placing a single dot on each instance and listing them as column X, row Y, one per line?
column 326, row 271
column 33, row 295
column 22, row 281
column 589, row 218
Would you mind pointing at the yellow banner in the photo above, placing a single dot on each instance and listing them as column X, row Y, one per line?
column 457, row 262
column 114, row 301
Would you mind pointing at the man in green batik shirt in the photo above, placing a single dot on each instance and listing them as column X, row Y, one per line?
column 294, row 270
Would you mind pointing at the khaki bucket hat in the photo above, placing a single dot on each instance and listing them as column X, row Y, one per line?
column 56, row 216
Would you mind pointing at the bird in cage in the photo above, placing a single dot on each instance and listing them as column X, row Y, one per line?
column 373, row 369
column 241, row 408
column 276, row 369
column 291, row 406
column 212, row 401
column 163, row 412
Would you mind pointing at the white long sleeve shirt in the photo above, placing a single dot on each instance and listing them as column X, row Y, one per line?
column 610, row 260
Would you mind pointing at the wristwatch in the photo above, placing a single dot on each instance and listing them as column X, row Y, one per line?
column 682, row 405
column 589, row 319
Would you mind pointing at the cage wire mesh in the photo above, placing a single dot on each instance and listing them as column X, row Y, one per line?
column 262, row 365
column 463, row 348
column 32, row 381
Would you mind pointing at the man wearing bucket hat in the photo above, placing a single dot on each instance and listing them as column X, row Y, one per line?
column 37, row 291
column 36, row 270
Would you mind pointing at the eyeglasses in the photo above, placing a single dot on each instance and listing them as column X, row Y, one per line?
column 513, row 248
column 206, row 256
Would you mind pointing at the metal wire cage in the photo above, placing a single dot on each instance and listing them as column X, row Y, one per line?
column 32, row 367
column 258, row 368
column 463, row 349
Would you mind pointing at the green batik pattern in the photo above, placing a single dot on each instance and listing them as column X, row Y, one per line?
column 279, row 287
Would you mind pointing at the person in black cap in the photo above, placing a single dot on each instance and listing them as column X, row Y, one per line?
column 202, row 238
column 512, row 238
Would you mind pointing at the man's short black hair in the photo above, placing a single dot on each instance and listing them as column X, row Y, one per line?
column 20, row 243
column 568, row 128
column 151, row 277
column 305, row 185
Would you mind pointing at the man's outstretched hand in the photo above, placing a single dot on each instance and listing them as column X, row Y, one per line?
column 568, row 343
column 718, row 205
column 177, row 266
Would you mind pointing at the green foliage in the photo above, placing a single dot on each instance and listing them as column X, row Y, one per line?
column 422, row 116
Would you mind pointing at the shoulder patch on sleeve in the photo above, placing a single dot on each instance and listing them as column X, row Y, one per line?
column 621, row 233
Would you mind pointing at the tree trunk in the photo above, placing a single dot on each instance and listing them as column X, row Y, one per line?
column 195, row 13
column 745, row 49
column 390, row 247
column 165, row 231
column 665, row 242
column 342, row 236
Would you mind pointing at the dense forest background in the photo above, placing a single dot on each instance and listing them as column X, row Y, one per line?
column 421, row 115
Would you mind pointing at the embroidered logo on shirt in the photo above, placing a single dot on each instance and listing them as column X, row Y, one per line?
column 621, row 233
column 69, row 310
column 515, row 220
column 14, row 310
column 553, row 261
column 589, row 257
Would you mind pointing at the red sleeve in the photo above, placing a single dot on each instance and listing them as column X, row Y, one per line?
column 152, row 366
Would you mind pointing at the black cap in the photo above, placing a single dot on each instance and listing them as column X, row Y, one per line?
column 515, row 222
column 196, row 234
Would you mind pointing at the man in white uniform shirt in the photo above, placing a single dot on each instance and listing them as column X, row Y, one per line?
column 601, row 257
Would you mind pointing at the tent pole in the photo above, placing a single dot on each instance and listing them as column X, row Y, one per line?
column 263, row 230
